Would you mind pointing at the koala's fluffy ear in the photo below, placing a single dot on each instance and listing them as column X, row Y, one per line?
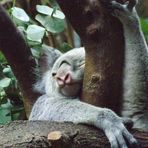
column 45, row 64
column 47, row 59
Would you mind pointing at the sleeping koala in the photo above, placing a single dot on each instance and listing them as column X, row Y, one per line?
column 62, row 84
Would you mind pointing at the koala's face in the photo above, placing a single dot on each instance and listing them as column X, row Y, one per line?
column 68, row 72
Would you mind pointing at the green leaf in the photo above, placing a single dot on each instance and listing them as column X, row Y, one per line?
column 5, row 82
column 52, row 24
column 3, row 100
column 35, row 53
column 17, row 109
column 20, row 14
column 33, row 43
column 144, row 25
column 35, row 33
column 5, row 109
column 3, row 116
column 2, row 58
column 50, row 11
column 8, row 72
column 15, row 112
column 21, row 29
column 64, row 47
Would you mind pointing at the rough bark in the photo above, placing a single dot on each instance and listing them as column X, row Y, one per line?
column 35, row 134
column 19, row 56
column 102, row 37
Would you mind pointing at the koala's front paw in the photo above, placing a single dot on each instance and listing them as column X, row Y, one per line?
column 115, row 130
column 128, row 5
column 125, row 12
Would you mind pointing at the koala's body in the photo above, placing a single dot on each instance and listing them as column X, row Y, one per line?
column 62, row 83
column 60, row 100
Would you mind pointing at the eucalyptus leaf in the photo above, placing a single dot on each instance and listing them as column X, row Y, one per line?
column 3, row 118
column 52, row 24
column 35, row 33
column 64, row 47
column 5, row 82
column 3, row 98
column 21, row 29
column 7, row 105
column 35, row 53
column 5, row 109
column 20, row 14
column 144, row 25
column 33, row 43
column 49, row 11
column 8, row 72
column 1, row 89
column 2, row 58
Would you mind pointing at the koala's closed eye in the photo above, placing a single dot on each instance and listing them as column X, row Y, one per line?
column 64, row 62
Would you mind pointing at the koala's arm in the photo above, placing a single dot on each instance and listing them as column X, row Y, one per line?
column 135, row 84
column 129, row 18
column 135, row 44
column 78, row 112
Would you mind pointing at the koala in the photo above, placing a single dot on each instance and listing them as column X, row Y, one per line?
column 135, row 81
column 60, row 101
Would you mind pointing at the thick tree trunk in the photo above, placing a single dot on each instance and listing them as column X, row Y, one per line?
column 61, row 135
column 19, row 57
column 102, row 37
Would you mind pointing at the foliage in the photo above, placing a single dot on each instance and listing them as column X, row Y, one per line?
column 10, row 99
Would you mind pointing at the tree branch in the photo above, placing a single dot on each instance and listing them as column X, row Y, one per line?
column 19, row 56
column 58, row 135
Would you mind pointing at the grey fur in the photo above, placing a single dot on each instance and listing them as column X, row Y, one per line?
column 46, row 61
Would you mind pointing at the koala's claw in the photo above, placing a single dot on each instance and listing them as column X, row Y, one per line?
column 119, row 7
column 117, row 138
column 129, row 5
column 132, row 4
column 131, row 140
column 115, row 130
column 126, row 12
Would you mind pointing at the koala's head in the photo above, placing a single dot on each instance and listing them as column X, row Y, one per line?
column 68, row 71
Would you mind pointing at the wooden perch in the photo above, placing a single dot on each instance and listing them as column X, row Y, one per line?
column 46, row 134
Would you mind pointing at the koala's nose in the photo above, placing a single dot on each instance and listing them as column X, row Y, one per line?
column 68, row 78
column 64, row 79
